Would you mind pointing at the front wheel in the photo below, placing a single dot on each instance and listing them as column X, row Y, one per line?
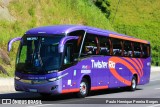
column 133, row 84
column 84, row 88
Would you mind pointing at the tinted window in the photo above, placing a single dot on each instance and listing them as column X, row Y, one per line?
column 146, row 50
column 77, row 43
column 137, row 50
column 128, row 49
column 117, row 47
column 38, row 54
column 67, row 56
column 91, row 45
column 104, row 46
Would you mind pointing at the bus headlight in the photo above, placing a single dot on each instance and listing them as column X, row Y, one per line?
column 57, row 78
column 17, row 78
column 53, row 79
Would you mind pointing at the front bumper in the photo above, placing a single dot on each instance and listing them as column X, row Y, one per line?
column 48, row 87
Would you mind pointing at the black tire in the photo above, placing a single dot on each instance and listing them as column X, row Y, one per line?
column 84, row 88
column 133, row 84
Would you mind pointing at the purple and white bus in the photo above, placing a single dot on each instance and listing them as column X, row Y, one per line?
column 75, row 58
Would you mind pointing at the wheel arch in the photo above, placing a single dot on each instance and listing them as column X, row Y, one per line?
column 88, row 78
column 136, row 76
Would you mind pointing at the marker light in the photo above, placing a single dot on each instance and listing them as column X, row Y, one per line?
column 17, row 78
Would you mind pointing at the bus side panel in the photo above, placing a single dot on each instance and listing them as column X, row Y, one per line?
column 146, row 71
column 100, row 75
column 123, row 72
column 113, row 82
column 106, row 72
column 71, row 82
column 67, row 80
column 84, row 68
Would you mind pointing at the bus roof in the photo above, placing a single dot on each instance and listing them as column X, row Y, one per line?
column 64, row 29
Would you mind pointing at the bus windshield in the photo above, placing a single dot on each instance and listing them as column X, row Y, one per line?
column 39, row 54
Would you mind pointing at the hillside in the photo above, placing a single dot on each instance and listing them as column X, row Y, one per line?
column 17, row 16
column 139, row 18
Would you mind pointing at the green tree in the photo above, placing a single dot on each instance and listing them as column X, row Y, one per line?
column 103, row 5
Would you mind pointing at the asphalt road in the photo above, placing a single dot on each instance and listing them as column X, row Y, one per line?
column 151, row 90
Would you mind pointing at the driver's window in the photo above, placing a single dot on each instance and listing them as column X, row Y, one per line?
column 68, row 54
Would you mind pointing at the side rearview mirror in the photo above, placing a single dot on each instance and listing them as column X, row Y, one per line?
column 11, row 42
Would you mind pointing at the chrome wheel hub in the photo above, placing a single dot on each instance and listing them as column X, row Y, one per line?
column 133, row 83
column 83, row 88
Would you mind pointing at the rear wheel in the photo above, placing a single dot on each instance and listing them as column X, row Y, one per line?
column 84, row 88
column 133, row 84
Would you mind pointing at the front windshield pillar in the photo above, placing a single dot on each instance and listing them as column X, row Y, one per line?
column 64, row 40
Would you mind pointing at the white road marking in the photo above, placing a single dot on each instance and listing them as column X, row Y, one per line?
column 155, row 80
column 157, row 105
column 157, row 88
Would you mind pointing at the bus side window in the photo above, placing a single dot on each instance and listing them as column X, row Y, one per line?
column 117, row 47
column 91, row 45
column 104, row 46
column 146, row 50
column 75, row 49
column 137, row 50
column 68, row 54
column 128, row 51
column 77, row 43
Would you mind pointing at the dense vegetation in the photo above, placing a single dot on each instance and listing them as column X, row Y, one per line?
column 104, row 6
column 139, row 18
column 33, row 13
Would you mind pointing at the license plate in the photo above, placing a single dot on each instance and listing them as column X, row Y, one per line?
column 33, row 90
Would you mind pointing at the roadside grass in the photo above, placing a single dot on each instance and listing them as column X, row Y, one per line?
column 138, row 18
column 34, row 13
